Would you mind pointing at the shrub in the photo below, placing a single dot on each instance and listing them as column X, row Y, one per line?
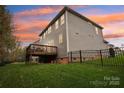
column 2, row 63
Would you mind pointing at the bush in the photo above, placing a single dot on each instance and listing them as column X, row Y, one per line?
column 2, row 63
column 8, row 62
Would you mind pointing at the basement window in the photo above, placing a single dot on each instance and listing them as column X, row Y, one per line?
column 61, row 58
column 74, row 58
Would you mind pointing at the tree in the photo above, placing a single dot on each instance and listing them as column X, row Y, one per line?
column 7, row 40
column 18, row 53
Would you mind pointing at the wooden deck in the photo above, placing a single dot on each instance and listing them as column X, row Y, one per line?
column 40, row 50
column 36, row 49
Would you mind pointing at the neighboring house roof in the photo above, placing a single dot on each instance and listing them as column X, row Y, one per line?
column 73, row 12
column 105, row 41
column 111, row 45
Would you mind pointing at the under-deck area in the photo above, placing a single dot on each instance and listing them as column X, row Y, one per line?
column 42, row 53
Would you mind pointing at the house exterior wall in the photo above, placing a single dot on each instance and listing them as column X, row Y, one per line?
column 77, row 35
column 82, row 35
column 54, row 35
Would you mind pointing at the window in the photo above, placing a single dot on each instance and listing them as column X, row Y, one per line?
column 41, row 37
column 97, row 32
column 49, row 30
column 62, row 19
column 46, row 32
column 57, row 24
column 60, row 39
column 44, row 35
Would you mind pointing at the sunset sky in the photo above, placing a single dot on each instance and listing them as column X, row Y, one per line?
column 29, row 21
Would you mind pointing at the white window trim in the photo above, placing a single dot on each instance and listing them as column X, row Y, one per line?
column 46, row 32
column 44, row 35
column 41, row 37
column 60, row 38
column 62, row 19
column 49, row 30
column 97, row 31
column 57, row 24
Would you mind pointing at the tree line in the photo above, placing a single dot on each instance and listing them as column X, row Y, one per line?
column 10, row 50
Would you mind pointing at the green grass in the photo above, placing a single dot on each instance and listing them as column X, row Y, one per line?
column 59, row 75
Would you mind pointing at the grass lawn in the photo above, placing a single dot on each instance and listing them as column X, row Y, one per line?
column 60, row 75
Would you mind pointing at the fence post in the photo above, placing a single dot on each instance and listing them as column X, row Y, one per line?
column 80, row 56
column 68, row 58
column 101, row 57
column 71, row 56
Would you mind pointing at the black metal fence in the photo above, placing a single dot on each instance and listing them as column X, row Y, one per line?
column 106, row 57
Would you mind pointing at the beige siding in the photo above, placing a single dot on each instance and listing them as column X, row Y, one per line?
column 82, row 35
column 54, row 35
column 77, row 35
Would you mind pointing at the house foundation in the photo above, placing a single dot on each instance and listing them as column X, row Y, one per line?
column 64, row 60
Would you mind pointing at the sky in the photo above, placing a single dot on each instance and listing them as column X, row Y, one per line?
column 30, row 20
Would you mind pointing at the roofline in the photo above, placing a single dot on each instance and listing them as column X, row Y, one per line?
column 55, row 18
column 73, row 12
column 83, row 17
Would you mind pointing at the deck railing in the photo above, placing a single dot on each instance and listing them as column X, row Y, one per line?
column 36, row 49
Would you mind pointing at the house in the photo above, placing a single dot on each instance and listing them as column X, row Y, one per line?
column 68, row 31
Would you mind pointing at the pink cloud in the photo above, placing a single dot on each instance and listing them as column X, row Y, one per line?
column 26, row 25
column 113, row 24
column 44, row 11
column 108, row 18
column 28, row 37
column 114, row 35
column 113, row 30
column 23, row 29
column 37, row 12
